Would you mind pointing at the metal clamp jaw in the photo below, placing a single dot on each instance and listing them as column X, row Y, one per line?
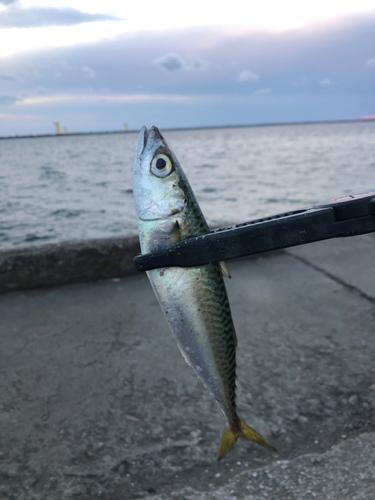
column 349, row 215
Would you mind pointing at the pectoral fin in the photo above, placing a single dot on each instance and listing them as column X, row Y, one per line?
column 175, row 235
column 224, row 269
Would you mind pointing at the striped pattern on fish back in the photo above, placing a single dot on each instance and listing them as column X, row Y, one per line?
column 214, row 304
column 219, row 327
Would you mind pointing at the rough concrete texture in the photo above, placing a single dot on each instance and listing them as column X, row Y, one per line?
column 69, row 262
column 345, row 471
column 96, row 402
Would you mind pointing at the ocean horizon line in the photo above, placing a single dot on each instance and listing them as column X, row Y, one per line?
column 204, row 127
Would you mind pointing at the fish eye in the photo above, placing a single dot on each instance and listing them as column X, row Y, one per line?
column 161, row 165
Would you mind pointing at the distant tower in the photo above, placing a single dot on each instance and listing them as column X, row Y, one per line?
column 126, row 127
column 57, row 124
column 65, row 130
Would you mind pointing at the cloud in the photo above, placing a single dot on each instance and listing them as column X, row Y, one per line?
column 170, row 62
column 6, row 100
column 8, row 77
column 173, row 62
column 262, row 92
column 89, row 72
column 193, row 62
column 17, row 16
column 247, row 76
column 299, row 82
column 370, row 63
column 7, row 2
column 17, row 117
column 325, row 82
column 203, row 63
column 41, row 91
column 92, row 98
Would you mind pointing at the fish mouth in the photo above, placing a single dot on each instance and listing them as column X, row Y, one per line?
column 145, row 135
column 142, row 141
column 156, row 133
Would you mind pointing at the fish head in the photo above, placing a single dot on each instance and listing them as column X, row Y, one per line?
column 158, row 180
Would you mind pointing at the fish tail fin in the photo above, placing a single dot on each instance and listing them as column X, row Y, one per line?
column 249, row 433
column 229, row 437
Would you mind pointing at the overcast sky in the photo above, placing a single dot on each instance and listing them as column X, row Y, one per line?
column 94, row 65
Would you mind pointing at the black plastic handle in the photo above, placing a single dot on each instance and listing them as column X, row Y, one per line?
column 349, row 215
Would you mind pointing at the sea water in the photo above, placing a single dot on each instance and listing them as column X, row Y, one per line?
column 55, row 189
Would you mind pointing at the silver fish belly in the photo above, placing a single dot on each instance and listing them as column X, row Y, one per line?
column 194, row 300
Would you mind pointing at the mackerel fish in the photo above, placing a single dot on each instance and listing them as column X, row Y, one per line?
column 194, row 300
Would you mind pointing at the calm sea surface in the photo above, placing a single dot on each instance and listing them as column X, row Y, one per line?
column 77, row 187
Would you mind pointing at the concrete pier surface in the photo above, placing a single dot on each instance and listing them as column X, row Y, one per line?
column 96, row 401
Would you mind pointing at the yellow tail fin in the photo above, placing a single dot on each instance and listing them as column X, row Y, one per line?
column 229, row 437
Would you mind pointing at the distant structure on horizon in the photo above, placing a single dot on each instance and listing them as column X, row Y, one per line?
column 126, row 127
column 58, row 132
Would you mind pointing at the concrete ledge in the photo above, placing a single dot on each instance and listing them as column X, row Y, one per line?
column 92, row 260
column 67, row 262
